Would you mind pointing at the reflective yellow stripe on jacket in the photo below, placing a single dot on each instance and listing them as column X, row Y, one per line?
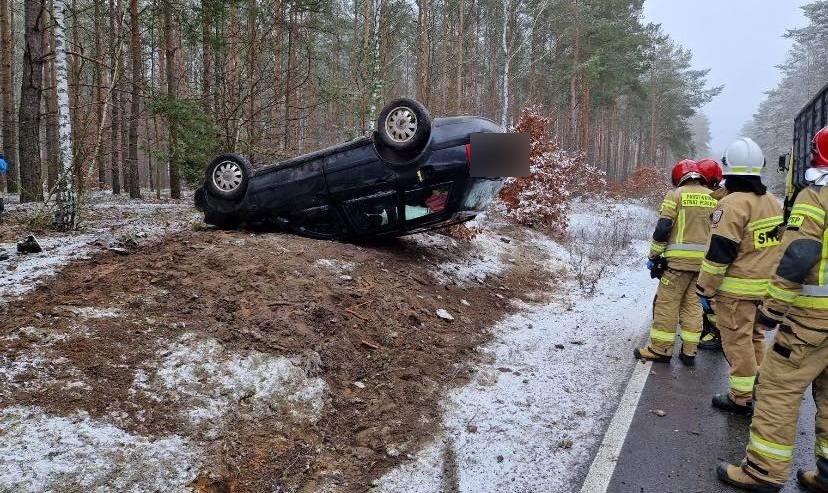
column 747, row 287
column 712, row 269
column 685, row 250
column 768, row 222
column 811, row 211
column 657, row 247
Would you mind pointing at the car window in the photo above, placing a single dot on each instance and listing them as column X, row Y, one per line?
column 422, row 202
column 319, row 221
column 377, row 211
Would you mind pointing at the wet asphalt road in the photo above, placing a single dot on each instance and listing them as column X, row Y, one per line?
column 678, row 453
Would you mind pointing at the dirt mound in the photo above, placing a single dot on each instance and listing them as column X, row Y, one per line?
column 198, row 324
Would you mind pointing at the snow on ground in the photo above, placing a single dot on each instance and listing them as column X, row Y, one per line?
column 336, row 266
column 486, row 252
column 42, row 453
column 530, row 421
column 107, row 217
column 23, row 271
column 212, row 381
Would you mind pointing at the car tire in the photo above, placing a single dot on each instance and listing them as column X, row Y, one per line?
column 227, row 176
column 404, row 126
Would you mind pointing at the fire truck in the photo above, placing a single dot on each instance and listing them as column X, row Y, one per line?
column 810, row 119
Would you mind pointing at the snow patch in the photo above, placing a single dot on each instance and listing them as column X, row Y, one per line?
column 42, row 452
column 93, row 312
column 483, row 260
column 212, row 380
column 10, row 369
column 23, row 271
column 336, row 266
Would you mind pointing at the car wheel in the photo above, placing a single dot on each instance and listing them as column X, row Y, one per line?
column 404, row 125
column 227, row 176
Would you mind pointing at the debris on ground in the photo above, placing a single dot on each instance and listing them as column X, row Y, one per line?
column 29, row 245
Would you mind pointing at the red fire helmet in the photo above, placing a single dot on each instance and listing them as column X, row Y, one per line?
column 684, row 170
column 711, row 171
column 819, row 149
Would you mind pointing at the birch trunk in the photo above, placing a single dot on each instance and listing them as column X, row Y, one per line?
column 376, row 78
column 66, row 212
column 423, row 60
column 53, row 163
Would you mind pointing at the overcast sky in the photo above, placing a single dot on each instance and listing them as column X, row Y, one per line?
column 741, row 41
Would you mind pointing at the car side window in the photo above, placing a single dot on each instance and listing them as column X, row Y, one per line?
column 422, row 202
column 377, row 211
column 319, row 221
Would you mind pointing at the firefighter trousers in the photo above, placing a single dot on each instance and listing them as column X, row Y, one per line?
column 743, row 343
column 798, row 358
column 676, row 305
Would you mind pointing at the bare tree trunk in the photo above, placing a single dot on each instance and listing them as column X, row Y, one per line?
column 252, row 136
column 66, row 212
column 52, row 118
column 423, row 56
column 290, row 59
column 458, row 101
column 207, row 56
column 135, row 108
column 114, row 77
column 574, row 79
column 97, row 81
column 507, row 56
column 172, row 94
column 7, row 89
column 653, row 129
column 31, row 91
column 77, row 110
column 376, row 75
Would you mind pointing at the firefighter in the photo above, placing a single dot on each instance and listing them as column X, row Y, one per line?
column 711, row 170
column 679, row 238
column 797, row 300
column 739, row 260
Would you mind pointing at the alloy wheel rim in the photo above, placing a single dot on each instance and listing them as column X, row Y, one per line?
column 227, row 176
column 401, row 124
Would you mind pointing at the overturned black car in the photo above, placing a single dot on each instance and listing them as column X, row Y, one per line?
column 411, row 175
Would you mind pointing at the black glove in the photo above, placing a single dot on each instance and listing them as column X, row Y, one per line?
column 657, row 267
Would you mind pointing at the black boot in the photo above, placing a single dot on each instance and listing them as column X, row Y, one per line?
column 815, row 481
column 723, row 402
column 687, row 359
column 711, row 341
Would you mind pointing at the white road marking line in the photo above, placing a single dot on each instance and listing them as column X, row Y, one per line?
column 603, row 466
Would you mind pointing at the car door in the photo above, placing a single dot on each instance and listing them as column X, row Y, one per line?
column 364, row 190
